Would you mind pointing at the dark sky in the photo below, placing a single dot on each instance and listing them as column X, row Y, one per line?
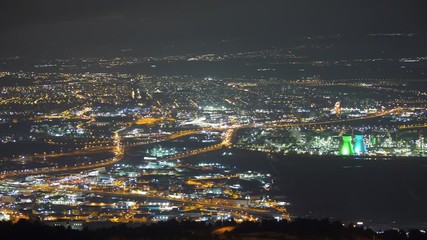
column 85, row 26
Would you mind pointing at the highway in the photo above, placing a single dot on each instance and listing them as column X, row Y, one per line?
column 118, row 148
column 172, row 136
column 48, row 170
column 226, row 142
column 424, row 125
column 206, row 203
column 230, row 132
column 91, row 150
column 376, row 115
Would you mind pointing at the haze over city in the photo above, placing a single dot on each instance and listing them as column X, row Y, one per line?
column 214, row 115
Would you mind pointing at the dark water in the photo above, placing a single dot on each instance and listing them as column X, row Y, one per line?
column 381, row 193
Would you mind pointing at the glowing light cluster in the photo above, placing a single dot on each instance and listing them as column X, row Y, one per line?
column 346, row 147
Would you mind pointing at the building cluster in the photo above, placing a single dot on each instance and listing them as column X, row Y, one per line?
column 336, row 140
column 147, row 190
column 100, row 145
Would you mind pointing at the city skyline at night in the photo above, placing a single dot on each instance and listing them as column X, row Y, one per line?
column 222, row 113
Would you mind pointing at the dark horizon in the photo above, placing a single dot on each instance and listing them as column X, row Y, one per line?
column 52, row 28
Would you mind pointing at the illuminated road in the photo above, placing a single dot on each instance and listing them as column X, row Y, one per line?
column 413, row 126
column 195, row 152
column 226, row 142
column 118, row 152
column 83, row 166
column 376, row 115
column 206, row 203
column 172, row 136
column 91, row 150
column 118, row 149
column 229, row 132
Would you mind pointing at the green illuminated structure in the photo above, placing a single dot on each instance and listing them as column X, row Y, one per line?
column 373, row 140
column 359, row 145
column 346, row 147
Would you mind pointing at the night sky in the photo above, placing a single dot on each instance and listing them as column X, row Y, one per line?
column 86, row 26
